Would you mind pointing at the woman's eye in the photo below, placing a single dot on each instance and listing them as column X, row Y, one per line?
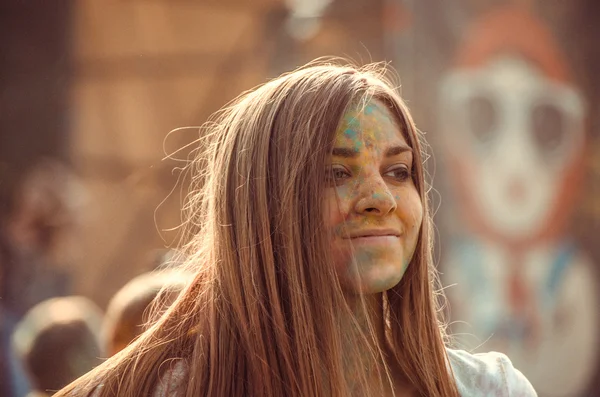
column 336, row 175
column 340, row 174
column 400, row 173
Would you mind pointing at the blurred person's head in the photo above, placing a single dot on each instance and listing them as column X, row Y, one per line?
column 130, row 309
column 37, row 393
column 46, row 211
column 58, row 340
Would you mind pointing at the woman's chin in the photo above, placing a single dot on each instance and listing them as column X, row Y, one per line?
column 379, row 278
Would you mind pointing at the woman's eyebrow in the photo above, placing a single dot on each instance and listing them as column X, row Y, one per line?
column 395, row 150
column 344, row 152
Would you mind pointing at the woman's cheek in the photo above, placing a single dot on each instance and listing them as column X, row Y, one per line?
column 412, row 218
column 336, row 212
column 409, row 207
column 336, row 209
column 416, row 218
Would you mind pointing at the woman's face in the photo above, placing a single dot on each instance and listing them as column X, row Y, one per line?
column 372, row 207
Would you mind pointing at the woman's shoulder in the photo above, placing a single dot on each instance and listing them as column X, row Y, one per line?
column 173, row 380
column 492, row 373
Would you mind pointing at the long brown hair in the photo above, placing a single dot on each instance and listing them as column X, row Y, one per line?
column 264, row 315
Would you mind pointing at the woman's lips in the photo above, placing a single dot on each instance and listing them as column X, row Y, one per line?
column 372, row 233
column 375, row 240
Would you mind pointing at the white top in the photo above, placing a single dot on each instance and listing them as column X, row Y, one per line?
column 477, row 375
column 488, row 374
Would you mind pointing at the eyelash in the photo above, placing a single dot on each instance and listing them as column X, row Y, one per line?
column 332, row 179
column 405, row 171
column 336, row 180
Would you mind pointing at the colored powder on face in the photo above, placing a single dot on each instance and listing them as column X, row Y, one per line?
column 378, row 196
column 368, row 131
column 369, row 109
column 352, row 131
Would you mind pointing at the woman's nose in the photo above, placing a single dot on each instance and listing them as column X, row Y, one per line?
column 375, row 198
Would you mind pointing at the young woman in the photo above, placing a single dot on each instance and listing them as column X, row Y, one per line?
column 311, row 241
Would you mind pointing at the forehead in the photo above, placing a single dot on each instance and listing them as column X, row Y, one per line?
column 371, row 124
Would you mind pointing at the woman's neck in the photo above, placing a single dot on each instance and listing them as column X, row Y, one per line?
column 377, row 359
column 368, row 314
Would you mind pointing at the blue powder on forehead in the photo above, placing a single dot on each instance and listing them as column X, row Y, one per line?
column 353, row 132
column 369, row 109
column 353, row 123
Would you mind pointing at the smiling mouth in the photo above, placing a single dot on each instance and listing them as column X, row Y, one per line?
column 373, row 234
column 384, row 240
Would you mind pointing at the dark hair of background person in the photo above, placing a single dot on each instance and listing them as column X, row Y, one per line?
column 58, row 341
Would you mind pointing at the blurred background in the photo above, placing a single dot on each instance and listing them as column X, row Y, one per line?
column 507, row 92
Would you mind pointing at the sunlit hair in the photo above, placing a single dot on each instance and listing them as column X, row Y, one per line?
column 265, row 314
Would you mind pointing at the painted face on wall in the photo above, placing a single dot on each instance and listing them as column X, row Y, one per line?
column 372, row 207
column 515, row 134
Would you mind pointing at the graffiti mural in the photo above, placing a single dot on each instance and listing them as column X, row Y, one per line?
column 513, row 129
